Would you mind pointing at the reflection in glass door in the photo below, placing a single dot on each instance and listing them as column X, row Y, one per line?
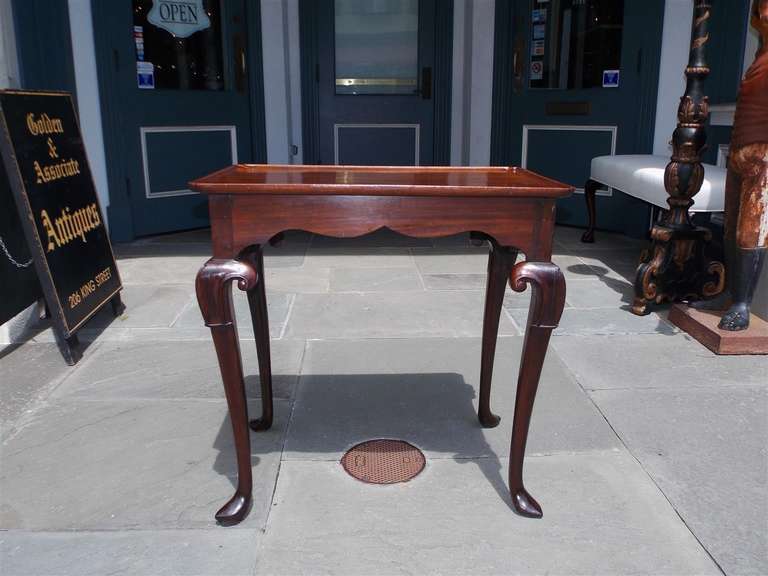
column 375, row 81
column 572, row 82
column 377, row 46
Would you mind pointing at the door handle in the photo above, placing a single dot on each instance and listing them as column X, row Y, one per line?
column 426, row 83
column 517, row 65
column 241, row 66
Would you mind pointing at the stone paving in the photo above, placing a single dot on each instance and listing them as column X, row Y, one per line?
column 647, row 452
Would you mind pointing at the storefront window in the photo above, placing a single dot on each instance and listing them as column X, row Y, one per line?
column 377, row 46
column 576, row 44
column 178, row 44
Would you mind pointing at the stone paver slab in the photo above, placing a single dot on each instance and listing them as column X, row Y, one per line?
column 584, row 322
column 389, row 315
column 425, row 391
column 602, row 515
column 180, row 370
column 278, row 304
column 27, row 372
column 452, row 260
column 161, row 269
column 707, row 450
column 156, row 552
column 455, row 281
column 131, row 465
column 357, row 256
column 602, row 292
column 298, row 280
column 375, row 280
column 148, row 306
column 655, row 361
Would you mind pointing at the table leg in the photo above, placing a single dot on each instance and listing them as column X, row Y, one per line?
column 257, row 300
column 547, row 302
column 214, row 295
column 590, row 193
column 500, row 263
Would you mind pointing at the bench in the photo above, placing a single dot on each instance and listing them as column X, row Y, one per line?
column 642, row 176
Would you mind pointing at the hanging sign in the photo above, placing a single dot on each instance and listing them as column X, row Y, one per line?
column 182, row 18
column 48, row 172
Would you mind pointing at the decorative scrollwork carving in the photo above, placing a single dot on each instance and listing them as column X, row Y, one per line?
column 213, row 288
column 548, row 299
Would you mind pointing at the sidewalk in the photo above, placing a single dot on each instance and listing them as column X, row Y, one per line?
column 648, row 453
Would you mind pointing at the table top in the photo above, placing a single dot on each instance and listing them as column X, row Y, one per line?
column 276, row 179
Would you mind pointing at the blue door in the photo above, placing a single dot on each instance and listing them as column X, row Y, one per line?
column 375, row 81
column 183, row 97
column 576, row 79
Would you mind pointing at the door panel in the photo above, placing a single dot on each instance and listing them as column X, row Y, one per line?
column 386, row 144
column 375, row 81
column 582, row 142
column 574, row 87
column 184, row 105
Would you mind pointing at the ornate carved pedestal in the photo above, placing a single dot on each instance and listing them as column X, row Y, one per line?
column 676, row 265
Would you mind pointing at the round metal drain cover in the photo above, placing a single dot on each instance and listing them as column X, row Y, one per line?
column 384, row 461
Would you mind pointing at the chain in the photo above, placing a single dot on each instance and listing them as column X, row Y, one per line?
column 12, row 259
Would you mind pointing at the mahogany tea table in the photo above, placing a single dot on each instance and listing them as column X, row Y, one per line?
column 512, row 208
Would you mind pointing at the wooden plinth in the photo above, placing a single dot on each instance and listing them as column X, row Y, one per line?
column 702, row 325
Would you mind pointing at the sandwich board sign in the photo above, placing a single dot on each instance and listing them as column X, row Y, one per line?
column 62, row 222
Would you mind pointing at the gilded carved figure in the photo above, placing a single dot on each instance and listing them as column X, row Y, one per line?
column 746, row 193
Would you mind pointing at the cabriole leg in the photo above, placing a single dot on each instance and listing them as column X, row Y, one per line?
column 547, row 302
column 500, row 262
column 257, row 300
column 214, row 295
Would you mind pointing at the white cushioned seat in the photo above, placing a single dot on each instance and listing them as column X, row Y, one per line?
column 642, row 176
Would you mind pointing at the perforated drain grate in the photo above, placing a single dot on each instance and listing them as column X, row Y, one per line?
column 384, row 461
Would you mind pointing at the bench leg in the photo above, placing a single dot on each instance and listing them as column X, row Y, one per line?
column 590, row 191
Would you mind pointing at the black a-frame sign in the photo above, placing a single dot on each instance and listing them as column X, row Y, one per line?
column 62, row 222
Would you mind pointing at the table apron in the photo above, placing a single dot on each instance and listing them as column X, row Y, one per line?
column 240, row 221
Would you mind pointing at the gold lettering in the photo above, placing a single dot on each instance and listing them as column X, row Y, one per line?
column 44, row 125
column 71, row 225
column 39, row 173
column 50, row 232
column 64, row 169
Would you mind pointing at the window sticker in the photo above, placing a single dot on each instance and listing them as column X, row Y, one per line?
column 539, row 16
column 539, row 31
column 537, row 70
column 611, row 78
column 537, row 48
column 145, row 75
column 138, row 37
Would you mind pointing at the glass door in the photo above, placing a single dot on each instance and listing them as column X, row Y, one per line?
column 375, row 81
column 184, row 103
column 578, row 82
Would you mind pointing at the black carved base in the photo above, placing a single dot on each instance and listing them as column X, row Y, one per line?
column 676, row 267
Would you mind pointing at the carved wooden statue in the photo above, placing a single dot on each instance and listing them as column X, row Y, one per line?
column 676, row 266
column 746, row 191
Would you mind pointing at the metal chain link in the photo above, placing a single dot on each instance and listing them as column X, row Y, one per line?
column 11, row 258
